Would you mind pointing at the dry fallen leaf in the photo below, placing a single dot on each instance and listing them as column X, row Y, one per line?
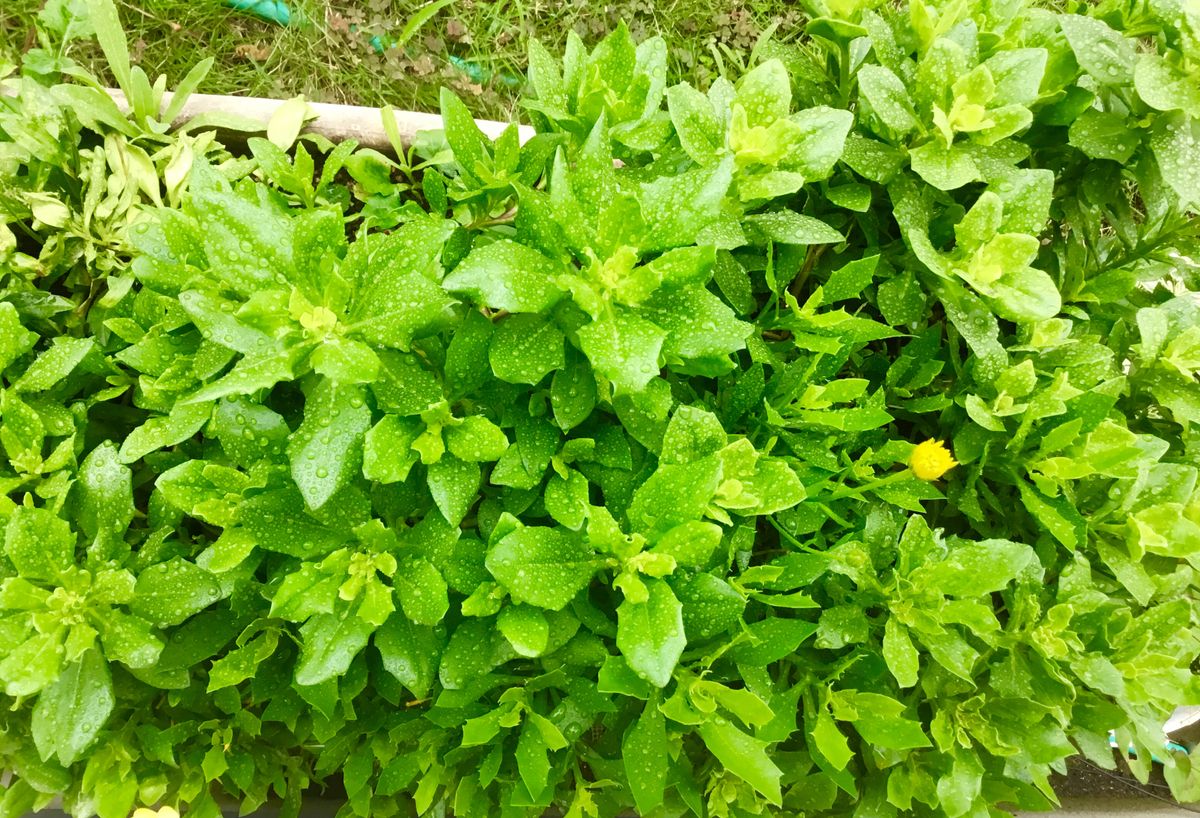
column 424, row 65
column 337, row 22
column 457, row 31
column 253, row 51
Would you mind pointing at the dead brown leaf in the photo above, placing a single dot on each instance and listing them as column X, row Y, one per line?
column 256, row 52
column 337, row 22
column 424, row 65
column 457, row 31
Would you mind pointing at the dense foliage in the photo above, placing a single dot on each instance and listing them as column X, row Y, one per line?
column 584, row 472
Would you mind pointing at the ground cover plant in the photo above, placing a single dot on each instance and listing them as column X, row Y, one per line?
column 400, row 52
column 820, row 442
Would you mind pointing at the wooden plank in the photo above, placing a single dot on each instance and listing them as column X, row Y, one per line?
column 335, row 122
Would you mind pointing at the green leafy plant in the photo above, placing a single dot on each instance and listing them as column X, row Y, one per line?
column 602, row 472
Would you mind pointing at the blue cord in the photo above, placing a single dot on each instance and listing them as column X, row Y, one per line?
column 276, row 11
column 1170, row 746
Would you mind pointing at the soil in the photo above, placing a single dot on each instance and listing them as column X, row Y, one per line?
column 1086, row 780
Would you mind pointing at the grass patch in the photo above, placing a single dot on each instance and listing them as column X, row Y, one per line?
column 476, row 48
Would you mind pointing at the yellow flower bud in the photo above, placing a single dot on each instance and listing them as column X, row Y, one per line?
column 161, row 812
column 931, row 459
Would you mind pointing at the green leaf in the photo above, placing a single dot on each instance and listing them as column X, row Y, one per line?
column 879, row 721
column 525, row 348
column 242, row 663
column 974, row 569
column 1105, row 54
column 248, row 431
column 1165, row 86
column 566, row 499
column 279, row 521
column 673, row 495
column 849, row 280
column 526, row 629
column 624, row 348
column 789, row 227
column 959, row 790
column 978, row 327
column 830, row 741
column 475, row 649
column 944, row 168
column 40, row 545
column 32, row 665
column 1026, row 194
column 696, row 124
column 644, row 752
column 773, row 638
column 650, row 634
column 422, row 592
column 344, row 360
column 678, row 208
column 170, row 592
column 542, row 566
column 467, row 364
column 406, row 386
column 820, row 141
column 393, row 313
column 251, row 239
column 744, row 756
column 476, row 440
column 396, row 297
column 387, row 449
column 410, row 653
column 697, row 323
column 462, row 133
column 253, row 372
column 103, row 16
column 871, row 159
column 900, row 654
column 185, row 420
column 888, row 98
column 1025, row 294
column 1176, row 144
column 680, row 267
column 70, row 714
column 1104, row 135
column 692, row 434
column 1018, row 74
column 330, row 641
column 545, row 75
column 129, row 640
column 765, row 92
column 105, row 506
column 15, row 340
column 326, row 451
column 505, row 275
column 454, row 485
column 711, row 606
column 573, row 392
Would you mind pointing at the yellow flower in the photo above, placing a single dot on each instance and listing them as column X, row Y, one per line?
column 161, row 812
column 931, row 459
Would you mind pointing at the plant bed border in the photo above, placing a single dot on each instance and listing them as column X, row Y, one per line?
column 336, row 122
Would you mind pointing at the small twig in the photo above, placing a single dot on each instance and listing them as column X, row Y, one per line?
column 810, row 260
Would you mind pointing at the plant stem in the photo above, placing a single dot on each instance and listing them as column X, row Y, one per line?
column 791, row 538
column 872, row 485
